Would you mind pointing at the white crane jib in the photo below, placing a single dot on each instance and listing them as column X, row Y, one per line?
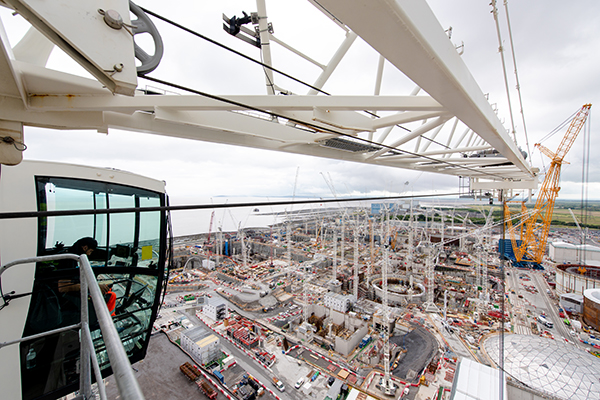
column 404, row 33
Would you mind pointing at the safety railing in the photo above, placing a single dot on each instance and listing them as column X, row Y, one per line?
column 127, row 384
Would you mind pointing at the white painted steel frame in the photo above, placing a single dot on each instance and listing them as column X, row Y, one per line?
column 419, row 131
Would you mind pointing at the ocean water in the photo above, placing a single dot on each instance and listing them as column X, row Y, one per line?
column 232, row 218
column 262, row 216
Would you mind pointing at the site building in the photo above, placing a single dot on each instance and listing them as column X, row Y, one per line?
column 215, row 309
column 572, row 302
column 567, row 253
column 202, row 344
column 338, row 301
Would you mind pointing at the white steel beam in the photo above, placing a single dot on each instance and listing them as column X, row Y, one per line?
column 416, row 133
column 369, row 129
column 113, row 62
column 407, row 34
column 425, row 106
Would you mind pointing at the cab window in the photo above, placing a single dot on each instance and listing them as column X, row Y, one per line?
column 126, row 261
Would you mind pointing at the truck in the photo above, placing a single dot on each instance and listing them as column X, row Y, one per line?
column 545, row 321
column 365, row 341
column 278, row 384
column 207, row 389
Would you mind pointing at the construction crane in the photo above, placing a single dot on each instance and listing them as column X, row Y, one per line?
column 387, row 385
column 212, row 216
column 534, row 225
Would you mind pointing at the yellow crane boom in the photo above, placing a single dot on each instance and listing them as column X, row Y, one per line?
column 535, row 224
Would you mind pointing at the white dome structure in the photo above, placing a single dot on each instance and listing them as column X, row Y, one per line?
column 548, row 366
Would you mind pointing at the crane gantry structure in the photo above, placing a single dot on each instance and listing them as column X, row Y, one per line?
column 441, row 125
column 534, row 225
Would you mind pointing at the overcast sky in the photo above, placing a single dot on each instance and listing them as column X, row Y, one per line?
column 557, row 47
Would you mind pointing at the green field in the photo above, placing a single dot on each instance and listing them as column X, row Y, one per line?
column 560, row 216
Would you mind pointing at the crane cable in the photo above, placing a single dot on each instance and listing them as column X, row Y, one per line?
column 275, row 115
column 316, row 128
column 552, row 133
column 559, row 127
column 585, row 175
column 197, row 34
column 261, row 63
column 518, row 84
column 501, row 51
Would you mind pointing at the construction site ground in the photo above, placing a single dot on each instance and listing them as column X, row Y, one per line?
column 289, row 370
column 159, row 376
column 421, row 347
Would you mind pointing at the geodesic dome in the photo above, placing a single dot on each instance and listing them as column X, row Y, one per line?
column 550, row 366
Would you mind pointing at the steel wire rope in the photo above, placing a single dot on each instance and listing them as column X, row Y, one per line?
column 188, row 30
column 271, row 83
column 558, row 128
column 164, row 19
column 261, row 63
column 549, row 135
column 501, row 51
column 56, row 213
column 316, row 127
column 518, row 84
column 585, row 171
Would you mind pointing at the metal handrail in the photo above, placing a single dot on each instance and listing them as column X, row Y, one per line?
column 127, row 384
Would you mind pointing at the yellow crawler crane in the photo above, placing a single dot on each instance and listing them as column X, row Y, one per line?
column 534, row 225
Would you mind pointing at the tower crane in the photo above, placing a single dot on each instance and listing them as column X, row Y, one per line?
column 534, row 225
column 212, row 217
column 387, row 385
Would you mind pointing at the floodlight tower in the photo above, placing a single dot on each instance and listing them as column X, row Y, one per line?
column 388, row 387
column 481, row 276
column 482, row 256
column 305, row 297
column 485, row 284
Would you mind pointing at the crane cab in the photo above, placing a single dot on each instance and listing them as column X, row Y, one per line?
column 128, row 257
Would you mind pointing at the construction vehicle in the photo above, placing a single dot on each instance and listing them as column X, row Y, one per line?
column 534, row 225
column 365, row 341
column 278, row 384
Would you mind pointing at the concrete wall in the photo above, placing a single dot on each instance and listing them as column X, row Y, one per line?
column 521, row 393
column 571, row 283
column 342, row 346
column 591, row 309
column 337, row 317
column 397, row 298
column 569, row 253
column 345, row 347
